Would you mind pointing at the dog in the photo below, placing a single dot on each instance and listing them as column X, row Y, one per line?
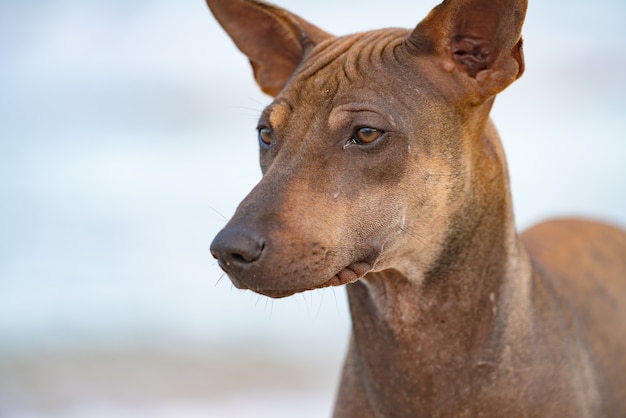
column 383, row 171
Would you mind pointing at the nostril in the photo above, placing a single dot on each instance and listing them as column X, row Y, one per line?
column 234, row 246
column 247, row 255
column 239, row 258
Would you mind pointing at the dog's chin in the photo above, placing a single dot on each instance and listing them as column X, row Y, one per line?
column 347, row 275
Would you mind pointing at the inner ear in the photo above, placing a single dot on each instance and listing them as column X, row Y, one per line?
column 473, row 40
column 471, row 52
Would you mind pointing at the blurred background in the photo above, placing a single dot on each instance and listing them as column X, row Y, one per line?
column 127, row 139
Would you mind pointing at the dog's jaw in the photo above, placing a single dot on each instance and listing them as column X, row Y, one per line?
column 347, row 275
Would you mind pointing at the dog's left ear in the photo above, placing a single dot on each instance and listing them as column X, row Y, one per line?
column 480, row 38
column 274, row 39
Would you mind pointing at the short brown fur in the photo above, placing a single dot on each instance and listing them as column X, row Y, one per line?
column 382, row 171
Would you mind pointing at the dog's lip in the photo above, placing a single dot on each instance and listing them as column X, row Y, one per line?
column 347, row 275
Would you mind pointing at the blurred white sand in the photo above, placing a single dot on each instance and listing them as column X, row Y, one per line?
column 158, row 383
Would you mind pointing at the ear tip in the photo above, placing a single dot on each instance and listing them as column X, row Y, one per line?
column 274, row 40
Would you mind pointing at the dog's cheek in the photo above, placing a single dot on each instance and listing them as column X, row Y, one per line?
column 266, row 156
column 386, row 166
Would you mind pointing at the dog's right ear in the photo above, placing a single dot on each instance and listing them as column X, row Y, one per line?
column 481, row 39
column 274, row 40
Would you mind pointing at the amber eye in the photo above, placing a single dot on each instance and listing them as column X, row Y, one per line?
column 367, row 135
column 265, row 136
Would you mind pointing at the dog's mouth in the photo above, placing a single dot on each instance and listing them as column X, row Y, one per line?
column 349, row 274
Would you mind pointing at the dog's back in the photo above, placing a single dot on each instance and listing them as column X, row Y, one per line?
column 582, row 266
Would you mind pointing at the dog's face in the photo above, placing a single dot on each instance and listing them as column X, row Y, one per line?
column 366, row 151
column 350, row 163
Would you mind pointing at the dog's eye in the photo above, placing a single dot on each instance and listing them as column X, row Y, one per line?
column 265, row 136
column 366, row 135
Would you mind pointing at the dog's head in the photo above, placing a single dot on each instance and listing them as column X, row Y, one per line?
column 374, row 153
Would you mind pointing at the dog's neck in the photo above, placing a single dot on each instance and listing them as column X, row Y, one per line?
column 449, row 310
column 454, row 315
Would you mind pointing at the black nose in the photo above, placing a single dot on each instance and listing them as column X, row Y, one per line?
column 235, row 249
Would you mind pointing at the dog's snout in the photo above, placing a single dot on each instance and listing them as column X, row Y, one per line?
column 235, row 249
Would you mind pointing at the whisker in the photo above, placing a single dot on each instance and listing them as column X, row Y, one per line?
column 319, row 308
column 220, row 279
column 253, row 109
column 219, row 213
column 259, row 103
column 413, row 233
column 271, row 302
column 306, row 303
column 335, row 297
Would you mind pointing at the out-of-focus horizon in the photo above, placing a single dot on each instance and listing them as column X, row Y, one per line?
column 126, row 140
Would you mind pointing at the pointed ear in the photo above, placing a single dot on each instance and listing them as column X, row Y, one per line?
column 274, row 40
column 480, row 38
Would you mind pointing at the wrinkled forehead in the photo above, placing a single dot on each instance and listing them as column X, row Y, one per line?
column 350, row 62
column 353, row 53
column 371, row 67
